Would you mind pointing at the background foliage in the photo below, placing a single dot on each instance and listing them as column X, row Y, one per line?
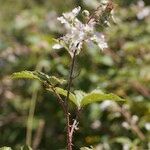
column 26, row 32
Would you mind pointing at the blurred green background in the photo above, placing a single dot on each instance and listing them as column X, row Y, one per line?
column 26, row 31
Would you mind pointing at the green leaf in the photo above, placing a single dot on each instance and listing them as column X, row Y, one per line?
column 25, row 75
column 64, row 93
column 42, row 77
column 97, row 96
column 79, row 96
column 53, row 80
column 49, row 79
column 5, row 148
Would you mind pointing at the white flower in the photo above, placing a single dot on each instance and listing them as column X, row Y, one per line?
column 76, row 11
column 78, row 32
column 57, row 46
column 70, row 16
column 86, row 13
column 62, row 20
column 99, row 39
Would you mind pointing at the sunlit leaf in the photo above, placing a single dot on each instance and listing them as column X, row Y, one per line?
column 25, row 75
column 79, row 96
column 96, row 96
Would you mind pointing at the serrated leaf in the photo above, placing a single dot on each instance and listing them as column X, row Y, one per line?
column 49, row 79
column 5, row 148
column 79, row 96
column 96, row 96
column 64, row 93
column 25, row 75
column 42, row 77
column 54, row 80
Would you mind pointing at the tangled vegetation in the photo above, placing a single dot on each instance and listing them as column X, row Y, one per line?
column 31, row 115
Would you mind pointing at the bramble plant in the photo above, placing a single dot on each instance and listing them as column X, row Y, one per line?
column 77, row 33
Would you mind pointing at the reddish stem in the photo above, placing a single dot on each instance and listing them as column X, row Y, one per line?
column 69, row 135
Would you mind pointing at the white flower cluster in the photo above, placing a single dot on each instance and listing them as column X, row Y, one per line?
column 78, row 33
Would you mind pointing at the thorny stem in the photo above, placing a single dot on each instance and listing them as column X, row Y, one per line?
column 74, row 126
column 67, row 114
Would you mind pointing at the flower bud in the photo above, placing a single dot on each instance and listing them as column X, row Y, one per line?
column 85, row 13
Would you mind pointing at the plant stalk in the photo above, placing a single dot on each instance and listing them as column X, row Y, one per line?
column 67, row 114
